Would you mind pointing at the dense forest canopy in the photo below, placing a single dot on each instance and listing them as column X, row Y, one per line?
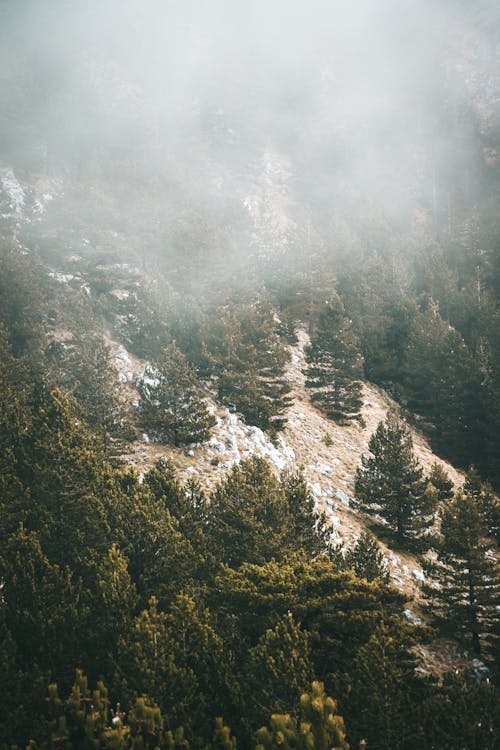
column 242, row 206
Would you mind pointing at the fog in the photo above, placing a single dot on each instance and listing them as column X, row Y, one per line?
column 219, row 106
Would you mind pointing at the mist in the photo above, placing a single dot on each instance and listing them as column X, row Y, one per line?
column 261, row 118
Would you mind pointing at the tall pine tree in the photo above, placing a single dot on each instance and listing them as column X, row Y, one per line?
column 335, row 365
column 389, row 480
column 465, row 575
column 171, row 405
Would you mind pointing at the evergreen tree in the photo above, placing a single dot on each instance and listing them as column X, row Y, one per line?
column 318, row 725
column 170, row 405
column 335, row 366
column 161, row 560
column 383, row 691
column 367, row 560
column 310, row 530
column 43, row 609
column 96, row 387
column 441, row 482
column 466, row 579
column 249, row 360
column 441, row 383
column 248, row 518
column 487, row 502
column 389, row 480
column 278, row 672
column 69, row 483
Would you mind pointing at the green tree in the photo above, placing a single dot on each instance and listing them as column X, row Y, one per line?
column 441, row 482
column 383, row 690
column 318, row 725
column 249, row 360
column 279, row 670
column 248, row 518
column 96, row 387
column 335, row 365
column 441, row 383
column 171, row 406
column 389, row 480
column 367, row 560
column 487, row 502
column 465, row 583
column 309, row 530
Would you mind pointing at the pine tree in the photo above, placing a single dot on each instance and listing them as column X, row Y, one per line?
column 440, row 480
column 389, row 480
column 278, row 672
column 318, row 726
column 367, row 560
column 441, row 384
column 487, row 502
column 171, row 406
column 310, row 530
column 248, row 518
column 249, row 360
column 335, row 366
column 95, row 385
column 465, row 575
column 383, row 690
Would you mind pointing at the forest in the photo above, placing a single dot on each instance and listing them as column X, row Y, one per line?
column 249, row 376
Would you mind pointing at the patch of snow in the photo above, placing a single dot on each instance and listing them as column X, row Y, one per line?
column 410, row 617
column 62, row 278
column 216, row 446
column 145, row 437
column 120, row 293
column 316, row 489
column 343, row 497
column 325, row 469
column 418, row 574
column 13, row 189
column 124, row 364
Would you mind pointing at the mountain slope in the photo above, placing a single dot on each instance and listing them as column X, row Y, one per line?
column 329, row 463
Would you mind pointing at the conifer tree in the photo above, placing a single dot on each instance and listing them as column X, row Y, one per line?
column 171, row 405
column 222, row 738
column 310, row 530
column 382, row 688
column 335, row 366
column 441, row 384
column 440, row 480
column 465, row 575
column 248, row 518
column 279, row 670
column 366, row 559
column 318, row 725
column 487, row 502
column 389, row 480
column 96, row 387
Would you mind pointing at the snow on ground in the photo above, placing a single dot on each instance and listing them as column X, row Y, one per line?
column 13, row 189
column 327, row 453
column 127, row 370
column 62, row 278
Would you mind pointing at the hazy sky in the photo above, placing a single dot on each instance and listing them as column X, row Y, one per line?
column 353, row 96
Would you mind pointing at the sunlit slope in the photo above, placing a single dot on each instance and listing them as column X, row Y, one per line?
column 327, row 453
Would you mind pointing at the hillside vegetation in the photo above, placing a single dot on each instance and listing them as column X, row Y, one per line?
column 249, row 376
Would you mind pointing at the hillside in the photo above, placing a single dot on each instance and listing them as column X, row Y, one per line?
column 249, row 375
column 329, row 469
